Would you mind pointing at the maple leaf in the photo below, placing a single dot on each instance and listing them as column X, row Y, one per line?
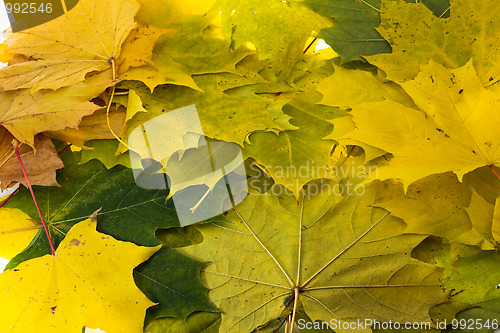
column 354, row 33
column 485, row 183
column 87, row 282
column 454, row 130
column 294, row 157
column 86, row 39
column 417, row 36
column 25, row 114
column 342, row 258
column 172, row 280
column 40, row 166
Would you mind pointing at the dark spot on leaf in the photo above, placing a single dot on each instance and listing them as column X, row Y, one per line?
column 75, row 242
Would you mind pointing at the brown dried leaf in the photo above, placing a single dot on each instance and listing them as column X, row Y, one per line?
column 40, row 166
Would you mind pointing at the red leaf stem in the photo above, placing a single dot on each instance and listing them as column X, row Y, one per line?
column 16, row 149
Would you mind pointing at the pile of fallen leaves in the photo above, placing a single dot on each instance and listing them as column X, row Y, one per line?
column 402, row 113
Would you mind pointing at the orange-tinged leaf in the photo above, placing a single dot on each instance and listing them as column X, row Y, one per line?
column 66, row 49
column 88, row 282
column 137, row 50
column 40, row 167
column 25, row 115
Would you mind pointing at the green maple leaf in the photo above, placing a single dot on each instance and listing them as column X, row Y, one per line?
column 341, row 257
column 294, row 157
column 416, row 35
column 476, row 281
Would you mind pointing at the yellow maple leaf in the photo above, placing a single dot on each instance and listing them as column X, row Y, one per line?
column 88, row 282
column 63, row 51
column 456, row 128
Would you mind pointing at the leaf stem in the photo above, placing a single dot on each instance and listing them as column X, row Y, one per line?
column 494, row 172
column 110, row 100
column 309, row 46
column 16, row 149
column 295, row 301
column 63, row 150
column 300, row 239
